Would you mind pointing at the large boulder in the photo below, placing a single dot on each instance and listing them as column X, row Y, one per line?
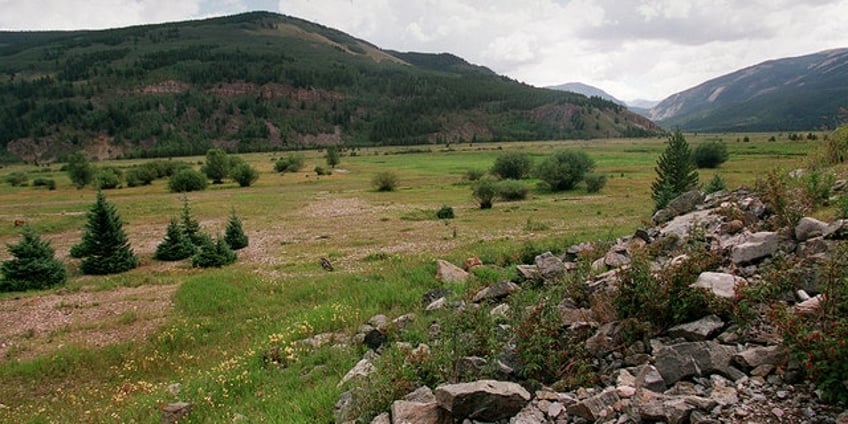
column 761, row 355
column 757, row 246
column 676, row 362
column 595, row 407
column 681, row 226
column 419, row 407
column 698, row 330
column 549, row 266
column 447, row 272
column 682, row 204
column 718, row 283
column 652, row 406
column 808, row 228
column 483, row 400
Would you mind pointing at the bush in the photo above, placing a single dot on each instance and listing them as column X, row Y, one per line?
column 842, row 207
column 217, row 165
column 291, row 163
column 213, row 254
column 244, row 174
column 564, row 169
column 321, row 171
column 186, row 180
column 176, row 246
column 595, row 182
column 333, row 156
column 710, row 154
column 385, row 181
column 140, row 175
column 17, row 179
column 715, row 185
column 80, row 172
column 104, row 247
column 513, row 165
column 234, row 234
column 33, row 266
column 108, row 178
column 511, row 190
column 485, row 191
column 474, row 174
column 44, row 182
column 837, row 145
column 445, row 212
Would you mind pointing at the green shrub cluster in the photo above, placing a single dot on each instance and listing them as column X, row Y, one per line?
column 513, row 166
column 710, row 154
column 385, row 181
column 244, row 174
column 595, row 182
column 17, row 179
column 186, row 180
column 485, row 190
column 213, row 254
column 290, row 163
column 44, row 182
column 445, row 212
column 512, row 190
column 564, row 169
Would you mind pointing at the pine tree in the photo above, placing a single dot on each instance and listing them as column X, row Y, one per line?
column 213, row 254
column 34, row 265
column 676, row 171
column 104, row 248
column 190, row 226
column 234, row 234
column 175, row 246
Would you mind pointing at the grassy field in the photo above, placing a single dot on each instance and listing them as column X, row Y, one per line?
column 206, row 330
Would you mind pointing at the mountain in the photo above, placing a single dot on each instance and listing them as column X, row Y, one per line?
column 792, row 94
column 263, row 81
column 586, row 90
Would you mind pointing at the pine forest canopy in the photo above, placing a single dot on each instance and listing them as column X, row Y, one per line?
column 262, row 81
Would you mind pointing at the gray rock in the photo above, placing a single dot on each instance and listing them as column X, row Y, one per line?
column 671, row 409
column 175, row 412
column 837, row 231
column 527, row 272
column 699, row 330
column 496, row 292
column 343, row 409
column 676, row 362
column 718, row 283
column 437, row 304
column 808, row 228
column 758, row 246
column 419, row 407
column 434, row 295
column 603, row 341
column 650, row 378
column 549, row 266
column 725, row 395
column 362, row 369
column 379, row 321
column 447, row 272
column 681, row 226
column 757, row 356
column 400, row 323
column 383, row 418
column 616, row 259
column 595, row 407
column 483, row 400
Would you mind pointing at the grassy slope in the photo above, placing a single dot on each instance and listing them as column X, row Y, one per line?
column 224, row 319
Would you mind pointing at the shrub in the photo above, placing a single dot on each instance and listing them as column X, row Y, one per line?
column 44, row 182
column 33, row 266
column 474, row 174
column 140, row 175
column 445, row 212
column 385, row 181
column 217, row 165
column 244, row 174
column 234, row 234
column 321, row 171
column 716, row 184
column 710, row 154
column 837, row 145
column 564, row 169
column 510, row 190
column 485, row 191
column 842, row 207
column 595, row 182
column 213, row 254
column 333, row 156
column 186, row 180
column 513, row 165
column 108, row 178
column 79, row 170
column 291, row 163
column 104, row 247
column 816, row 188
column 176, row 246
column 17, row 179
column 676, row 171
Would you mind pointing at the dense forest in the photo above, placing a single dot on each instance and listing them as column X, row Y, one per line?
column 261, row 81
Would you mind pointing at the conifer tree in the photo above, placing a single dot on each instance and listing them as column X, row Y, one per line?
column 104, row 248
column 34, row 265
column 234, row 234
column 175, row 246
column 190, row 226
column 213, row 254
column 676, row 171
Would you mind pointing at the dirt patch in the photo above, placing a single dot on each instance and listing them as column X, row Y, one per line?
column 32, row 326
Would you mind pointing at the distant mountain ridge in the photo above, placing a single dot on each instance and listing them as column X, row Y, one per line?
column 792, row 94
column 586, row 90
column 263, row 81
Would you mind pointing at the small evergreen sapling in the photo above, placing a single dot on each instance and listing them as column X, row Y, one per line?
column 34, row 265
column 213, row 254
column 234, row 234
column 176, row 246
column 676, row 171
column 190, row 226
column 104, row 247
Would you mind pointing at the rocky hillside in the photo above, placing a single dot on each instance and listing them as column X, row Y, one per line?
column 261, row 81
column 792, row 94
column 715, row 315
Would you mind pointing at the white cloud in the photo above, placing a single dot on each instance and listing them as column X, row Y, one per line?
column 91, row 14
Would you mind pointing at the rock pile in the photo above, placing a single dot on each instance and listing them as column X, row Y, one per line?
column 704, row 371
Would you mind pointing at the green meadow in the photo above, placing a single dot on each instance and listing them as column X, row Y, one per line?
column 209, row 329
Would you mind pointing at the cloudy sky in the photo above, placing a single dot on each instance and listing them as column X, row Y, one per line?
column 633, row 49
